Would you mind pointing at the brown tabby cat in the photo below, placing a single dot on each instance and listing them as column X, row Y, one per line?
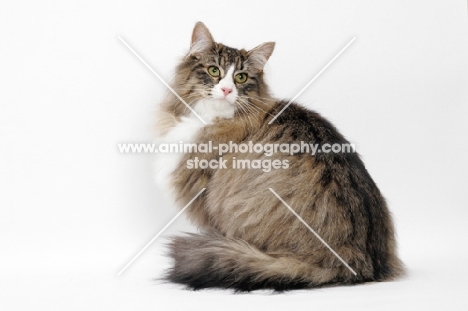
column 249, row 239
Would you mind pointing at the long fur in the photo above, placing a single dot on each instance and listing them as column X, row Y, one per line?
column 249, row 239
column 212, row 260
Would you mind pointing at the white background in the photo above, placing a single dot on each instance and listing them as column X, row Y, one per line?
column 73, row 211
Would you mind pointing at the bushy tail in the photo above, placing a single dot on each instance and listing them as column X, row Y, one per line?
column 212, row 260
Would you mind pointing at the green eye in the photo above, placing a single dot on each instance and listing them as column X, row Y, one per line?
column 213, row 71
column 241, row 77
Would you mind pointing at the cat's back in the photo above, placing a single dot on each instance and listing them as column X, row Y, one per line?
column 328, row 186
column 297, row 122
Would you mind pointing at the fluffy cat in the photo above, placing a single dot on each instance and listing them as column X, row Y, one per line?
column 248, row 238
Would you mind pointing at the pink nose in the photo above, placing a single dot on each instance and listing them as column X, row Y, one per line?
column 226, row 91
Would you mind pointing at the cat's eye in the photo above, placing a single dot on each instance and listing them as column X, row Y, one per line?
column 241, row 77
column 213, row 71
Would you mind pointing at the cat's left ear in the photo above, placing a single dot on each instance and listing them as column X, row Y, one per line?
column 202, row 40
column 258, row 56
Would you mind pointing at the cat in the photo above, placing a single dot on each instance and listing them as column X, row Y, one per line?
column 248, row 238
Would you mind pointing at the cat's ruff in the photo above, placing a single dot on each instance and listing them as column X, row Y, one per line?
column 185, row 131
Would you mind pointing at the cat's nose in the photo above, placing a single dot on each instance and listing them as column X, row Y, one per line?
column 226, row 91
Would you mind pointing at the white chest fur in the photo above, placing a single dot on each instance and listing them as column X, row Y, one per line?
column 186, row 132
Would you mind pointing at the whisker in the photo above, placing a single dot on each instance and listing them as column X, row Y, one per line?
column 246, row 110
column 245, row 98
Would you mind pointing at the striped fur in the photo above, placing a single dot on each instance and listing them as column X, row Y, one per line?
column 249, row 240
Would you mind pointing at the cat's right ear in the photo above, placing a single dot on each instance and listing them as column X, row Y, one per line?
column 202, row 40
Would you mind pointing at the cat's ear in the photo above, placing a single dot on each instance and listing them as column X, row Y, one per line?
column 258, row 56
column 202, row 40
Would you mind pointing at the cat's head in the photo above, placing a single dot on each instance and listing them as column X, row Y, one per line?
column 219, row 75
